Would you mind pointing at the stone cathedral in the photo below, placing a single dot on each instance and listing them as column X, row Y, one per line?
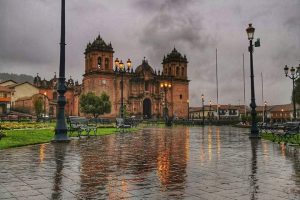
column 142, row 92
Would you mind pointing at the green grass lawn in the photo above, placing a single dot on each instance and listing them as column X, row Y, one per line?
column 16, row 138
column 275, row 138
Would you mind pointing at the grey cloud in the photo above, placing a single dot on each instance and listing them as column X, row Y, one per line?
column 175, row 23
column 30, row 33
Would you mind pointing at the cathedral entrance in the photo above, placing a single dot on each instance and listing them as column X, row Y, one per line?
column 147, row 108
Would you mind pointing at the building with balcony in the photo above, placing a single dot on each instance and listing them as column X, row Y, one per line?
column 5, row 99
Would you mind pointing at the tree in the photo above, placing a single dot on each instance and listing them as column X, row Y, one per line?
column 95, row 105
column 38, row 107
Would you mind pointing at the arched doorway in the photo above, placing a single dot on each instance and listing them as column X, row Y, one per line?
column 147, row 108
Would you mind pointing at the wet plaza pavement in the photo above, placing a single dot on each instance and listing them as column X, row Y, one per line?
column 154, row 163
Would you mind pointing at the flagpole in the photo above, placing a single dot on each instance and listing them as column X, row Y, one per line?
column 262, row 95
column 217, row 84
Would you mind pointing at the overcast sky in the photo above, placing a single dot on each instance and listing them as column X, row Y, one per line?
column 30, row 35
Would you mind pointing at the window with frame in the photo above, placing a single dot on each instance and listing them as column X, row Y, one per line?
column 106, row 63
column 99, row 62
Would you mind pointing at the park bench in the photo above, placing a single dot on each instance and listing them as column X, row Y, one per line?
column 291, row 129
column 274, row 128
column 101, row 121
column 123, row 123
column 80, row 124
column 283, row 131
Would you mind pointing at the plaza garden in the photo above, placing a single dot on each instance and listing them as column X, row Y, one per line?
column 15, row 134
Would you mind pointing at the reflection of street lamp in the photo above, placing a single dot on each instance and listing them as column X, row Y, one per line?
column 188, row 109
column 294, row 75
column 254, row 130
column 281, row 115
column 120, row 68
column 165, row 86
column 202, row 99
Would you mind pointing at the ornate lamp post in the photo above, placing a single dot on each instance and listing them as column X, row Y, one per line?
column 282, row 115
column 219, row 106
column 188, row 109
column 120, row 68
column 202, row 99
column 165, row 86
column 61, row 130
column 294, row 75
column 210, row 114
column 254, row 129
column 45, row 104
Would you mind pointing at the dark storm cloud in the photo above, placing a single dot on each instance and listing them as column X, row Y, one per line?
column 174, row 23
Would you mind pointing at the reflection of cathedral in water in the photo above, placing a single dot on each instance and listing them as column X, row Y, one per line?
column 173, row 154
column 140, row 161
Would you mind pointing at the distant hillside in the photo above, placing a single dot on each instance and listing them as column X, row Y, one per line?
column 19, row 78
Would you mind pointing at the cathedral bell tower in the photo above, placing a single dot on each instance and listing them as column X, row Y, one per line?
column 175, row 65
column 99, row 75
column 175, row 72
column 98, row 56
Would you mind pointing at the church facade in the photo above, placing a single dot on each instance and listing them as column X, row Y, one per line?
column 143, row 95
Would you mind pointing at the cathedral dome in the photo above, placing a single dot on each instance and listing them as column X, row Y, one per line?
column 174, row 56
column 144, row 67
column 98, row 45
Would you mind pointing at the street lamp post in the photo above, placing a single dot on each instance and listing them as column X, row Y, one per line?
column 165, row 86
column 120, row 68
column 188, row 109
column 294, row 75
column 281, row 115
column 45, row 98
column 202, row 99
column 218, row 109
column 254, row 129
column 210, row 113
column 61, row 130
column 265, row 112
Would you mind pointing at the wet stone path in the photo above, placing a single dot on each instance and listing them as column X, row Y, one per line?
column 155, row 163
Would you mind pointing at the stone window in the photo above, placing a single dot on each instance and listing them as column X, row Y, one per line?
column 177, row 71
column 106, row 63
column 182, row 71
column 180, row 96
column 99, row 62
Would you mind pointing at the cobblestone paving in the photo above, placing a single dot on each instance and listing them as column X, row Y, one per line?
column 218, row 163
